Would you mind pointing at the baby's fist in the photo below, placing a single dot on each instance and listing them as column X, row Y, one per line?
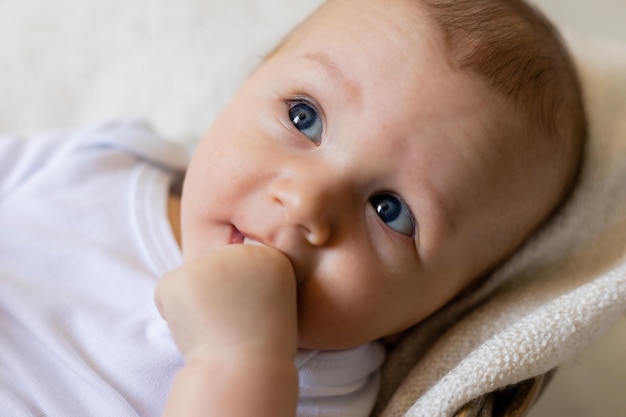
column 240, row 297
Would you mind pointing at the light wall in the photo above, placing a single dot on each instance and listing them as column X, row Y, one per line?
column 597, row 18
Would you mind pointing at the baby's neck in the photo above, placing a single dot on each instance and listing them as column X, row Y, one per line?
column 173, row 214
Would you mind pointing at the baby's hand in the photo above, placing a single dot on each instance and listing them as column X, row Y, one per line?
column 233, row 315
column 241, row 298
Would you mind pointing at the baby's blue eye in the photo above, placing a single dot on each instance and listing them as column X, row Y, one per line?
column 394, row 213
column 307, row 120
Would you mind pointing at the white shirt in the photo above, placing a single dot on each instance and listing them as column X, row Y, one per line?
column 84, row 237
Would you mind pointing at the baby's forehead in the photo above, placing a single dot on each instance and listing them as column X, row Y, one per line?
column 399, row 65
column 388, row 40
column 403, row 20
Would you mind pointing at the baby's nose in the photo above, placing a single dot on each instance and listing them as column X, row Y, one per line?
column 309, row 202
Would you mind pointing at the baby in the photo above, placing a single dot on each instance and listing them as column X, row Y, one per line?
column 385, row 157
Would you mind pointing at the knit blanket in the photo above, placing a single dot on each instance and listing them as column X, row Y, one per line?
column 70, row 63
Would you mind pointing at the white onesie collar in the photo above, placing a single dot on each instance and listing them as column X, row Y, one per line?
column 154, row 231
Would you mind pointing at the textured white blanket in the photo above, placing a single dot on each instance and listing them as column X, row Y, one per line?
column 70, row 63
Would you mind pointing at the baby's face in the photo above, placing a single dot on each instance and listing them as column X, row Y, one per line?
column 361, row 154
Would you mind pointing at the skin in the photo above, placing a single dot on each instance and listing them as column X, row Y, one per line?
column 399, row 124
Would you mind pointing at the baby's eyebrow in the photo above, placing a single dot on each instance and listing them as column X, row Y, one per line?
column 336, row 73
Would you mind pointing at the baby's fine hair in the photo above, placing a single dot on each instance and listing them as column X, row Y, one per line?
column 519, row 54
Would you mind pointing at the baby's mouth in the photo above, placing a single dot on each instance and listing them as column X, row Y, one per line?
column 237, row 238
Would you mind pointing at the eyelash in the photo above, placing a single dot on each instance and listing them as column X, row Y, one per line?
column 303, row 98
